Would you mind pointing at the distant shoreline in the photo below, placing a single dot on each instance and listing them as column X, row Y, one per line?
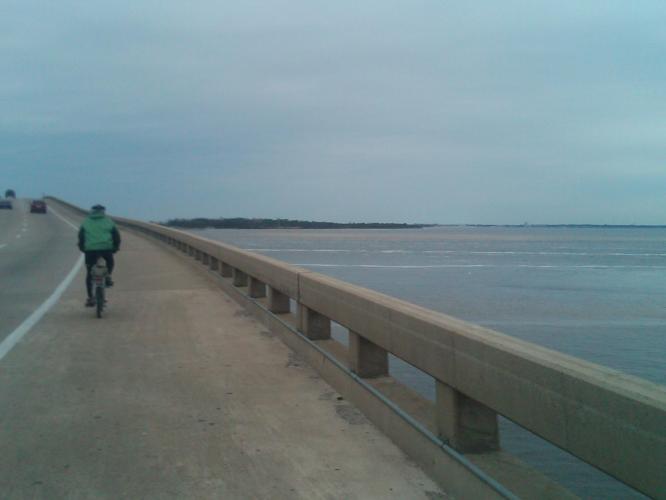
column 245, row 223
column 242, row 223
column 573, row 226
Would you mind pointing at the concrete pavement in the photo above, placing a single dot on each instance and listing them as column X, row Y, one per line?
column 177, row 393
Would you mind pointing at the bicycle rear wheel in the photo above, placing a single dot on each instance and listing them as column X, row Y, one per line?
column 99, row 298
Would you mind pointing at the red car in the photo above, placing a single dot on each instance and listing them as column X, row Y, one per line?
column 37, row 207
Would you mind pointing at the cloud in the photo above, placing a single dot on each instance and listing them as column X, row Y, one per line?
column 462, row 113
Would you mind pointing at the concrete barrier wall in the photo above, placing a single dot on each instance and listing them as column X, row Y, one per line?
column 613, row 421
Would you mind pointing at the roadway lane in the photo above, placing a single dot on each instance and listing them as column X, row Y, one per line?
column 37, row 251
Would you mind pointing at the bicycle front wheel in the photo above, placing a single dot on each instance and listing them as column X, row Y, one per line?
column 99, row 298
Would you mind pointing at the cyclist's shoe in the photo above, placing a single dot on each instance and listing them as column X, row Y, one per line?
column 90, row 302
column 108, row 281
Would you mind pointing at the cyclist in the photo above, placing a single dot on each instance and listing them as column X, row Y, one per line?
column 98, row 237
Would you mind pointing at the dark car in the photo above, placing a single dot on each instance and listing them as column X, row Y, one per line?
column 6, row 204
column 10, row 193
column 37, row 207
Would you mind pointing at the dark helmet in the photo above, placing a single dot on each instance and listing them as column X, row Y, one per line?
column 98, row 208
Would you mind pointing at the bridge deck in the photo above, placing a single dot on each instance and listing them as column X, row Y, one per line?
column 176, row 393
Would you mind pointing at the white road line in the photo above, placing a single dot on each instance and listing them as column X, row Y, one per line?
column 13, row 338
column 63, row 219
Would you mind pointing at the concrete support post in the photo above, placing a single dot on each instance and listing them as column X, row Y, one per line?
column 240, row 278
column 197, row 254
column 278, row 302
column 366, row 359
column 205, row 259
column 313, row 325
column 256, row 288
column 190, row 250
column 226, row 270
column 214, row 264
column 464, row 423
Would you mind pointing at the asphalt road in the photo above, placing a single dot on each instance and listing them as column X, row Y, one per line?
column 37, row 251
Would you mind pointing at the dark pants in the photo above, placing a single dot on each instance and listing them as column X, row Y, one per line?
column 91, row 260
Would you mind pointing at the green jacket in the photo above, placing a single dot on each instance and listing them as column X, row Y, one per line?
column 98, row 232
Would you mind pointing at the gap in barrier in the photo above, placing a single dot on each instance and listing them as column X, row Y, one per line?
column 562, row 467
column 412, row 377
column 340, row 334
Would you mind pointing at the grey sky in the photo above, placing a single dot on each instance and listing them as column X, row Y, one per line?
column 428, row 111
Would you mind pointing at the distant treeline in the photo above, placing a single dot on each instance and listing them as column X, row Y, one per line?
column 242, row 223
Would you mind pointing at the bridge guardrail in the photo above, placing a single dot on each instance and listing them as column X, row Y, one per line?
column 613, row 421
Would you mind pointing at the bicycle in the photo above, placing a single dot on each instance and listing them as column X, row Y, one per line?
column 99, row 273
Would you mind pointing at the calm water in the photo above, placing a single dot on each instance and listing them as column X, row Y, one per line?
column 598, row 294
